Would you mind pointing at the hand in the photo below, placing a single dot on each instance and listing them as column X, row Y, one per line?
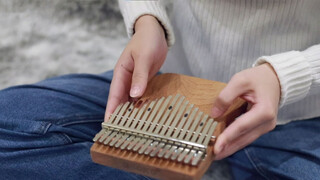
column 259, row 86
column 140, row 61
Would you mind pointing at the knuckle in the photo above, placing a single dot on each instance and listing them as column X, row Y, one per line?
column 267, row 111
column 225, row 139
column 270, row 114
column 241, row 130
column 140, row 75
column 223, row 103
column 142, row 56
column 242, row 79
column 272, row 125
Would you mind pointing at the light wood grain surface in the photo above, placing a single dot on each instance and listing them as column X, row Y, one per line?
column 202, row 94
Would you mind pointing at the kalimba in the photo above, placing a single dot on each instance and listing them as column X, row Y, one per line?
column 168, row 133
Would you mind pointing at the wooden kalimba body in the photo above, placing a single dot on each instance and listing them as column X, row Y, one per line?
column 168, row 133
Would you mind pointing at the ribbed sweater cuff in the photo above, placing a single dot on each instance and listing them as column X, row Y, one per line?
column 293, row 71
column 132, row 10
column 313, row 56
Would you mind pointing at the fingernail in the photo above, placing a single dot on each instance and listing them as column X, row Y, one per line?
column 216, row 112
column 134, row 92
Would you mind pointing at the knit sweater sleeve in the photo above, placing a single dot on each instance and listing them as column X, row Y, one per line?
column 132, row 10
column 297, row 71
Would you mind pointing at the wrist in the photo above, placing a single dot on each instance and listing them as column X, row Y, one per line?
column 147, row 22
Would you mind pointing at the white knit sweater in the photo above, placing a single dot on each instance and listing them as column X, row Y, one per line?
column 214, row 39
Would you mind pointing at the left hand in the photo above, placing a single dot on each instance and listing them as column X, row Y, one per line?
column 260, row 87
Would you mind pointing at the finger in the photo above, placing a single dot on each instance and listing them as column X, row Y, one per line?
column 245, row 123
column 120, row 84
column 139, row 78
column 237, row 86
column 244, row 140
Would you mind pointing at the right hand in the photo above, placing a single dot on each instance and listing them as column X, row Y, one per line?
column 139, row 62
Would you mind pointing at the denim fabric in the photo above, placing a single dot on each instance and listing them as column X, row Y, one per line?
column 46, row 129
column 46, row 132
column 290, row 151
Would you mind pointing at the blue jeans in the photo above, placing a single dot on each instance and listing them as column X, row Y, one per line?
column 46, row 131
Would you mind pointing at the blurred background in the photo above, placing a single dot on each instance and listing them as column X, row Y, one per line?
column 44, row 38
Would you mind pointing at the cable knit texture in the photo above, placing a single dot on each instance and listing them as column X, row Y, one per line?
column 217, row 38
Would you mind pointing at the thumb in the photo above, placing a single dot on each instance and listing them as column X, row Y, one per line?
column 235, row 88
column 139, row 80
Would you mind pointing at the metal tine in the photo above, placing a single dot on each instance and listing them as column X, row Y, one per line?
column 155, row 122
column 124, row 107
column 99, row 135
column 173, row 113
column 122, row 121
column 189, row 156
column 134, row 142
column 193, row 126
column 176, row 119
column 157, row 149
column 141, row 123
column 122, row 140
column 127, row 142
column 186, row 126
column 146, row 114
column 164, row 150
column 125, row 118
column 116, row 139
column 199, row 128
column 205, row 131
column 168, row 153
column 183, row 120
column 164, row 117
column 196, row 158
column 110, row 137
column 150, row 148
column 176, row 153
column 131, row 117
column 113, row 115
column 105, row 136
column 154, row 144
column 145, row 146
column 183, row 154
column 139, row 144
column 136, row 120
column 207, row 139
column 154, row 111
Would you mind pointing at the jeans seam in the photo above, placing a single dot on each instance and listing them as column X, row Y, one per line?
column 79, row 122
column 258, row 169
column 45, row 127
column 63, row 136
column 66, row 138
column 65, row 120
